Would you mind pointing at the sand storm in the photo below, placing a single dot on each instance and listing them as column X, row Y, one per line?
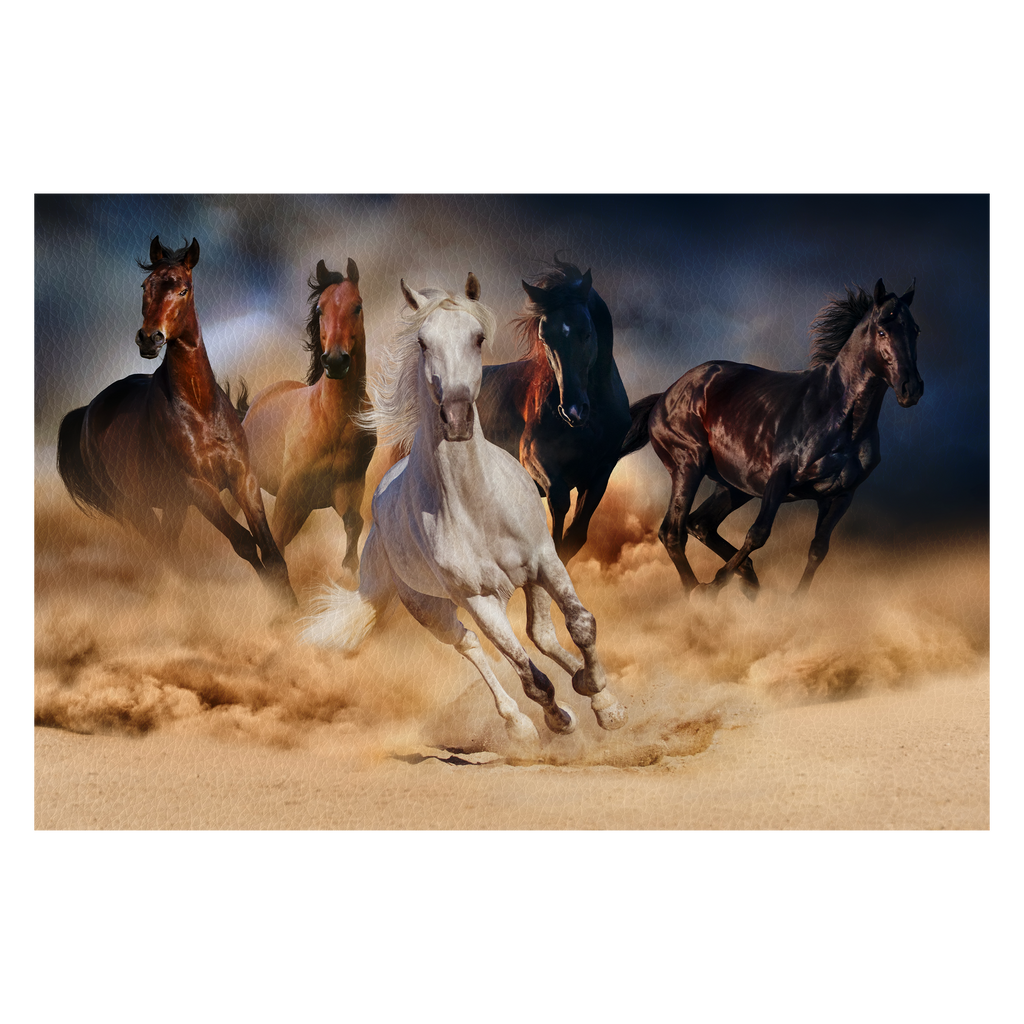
column 124, row 646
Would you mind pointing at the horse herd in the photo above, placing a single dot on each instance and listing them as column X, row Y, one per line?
column 456, row 520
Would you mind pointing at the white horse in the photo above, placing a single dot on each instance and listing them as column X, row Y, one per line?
column 457, row 522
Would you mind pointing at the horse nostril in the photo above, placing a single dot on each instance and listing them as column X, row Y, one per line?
column 336, row 365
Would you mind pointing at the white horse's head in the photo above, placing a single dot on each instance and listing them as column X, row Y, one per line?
column 450, row 332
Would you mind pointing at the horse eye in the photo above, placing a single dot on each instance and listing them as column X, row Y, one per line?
column 357, row 310
column 881, row 332
column 479, row 341
column 184, row 291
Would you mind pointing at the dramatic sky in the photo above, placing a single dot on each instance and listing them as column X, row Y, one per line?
column 687, row 278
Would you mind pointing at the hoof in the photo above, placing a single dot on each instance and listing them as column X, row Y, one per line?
column 522, row 730
column 583, row 684
column 609, row 712
column 561, row 720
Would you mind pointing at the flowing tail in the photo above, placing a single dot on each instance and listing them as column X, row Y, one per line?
column 638, row 435
column 342, row 620
column 86, row 491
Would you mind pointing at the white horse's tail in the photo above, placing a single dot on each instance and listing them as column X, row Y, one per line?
column 342, row 619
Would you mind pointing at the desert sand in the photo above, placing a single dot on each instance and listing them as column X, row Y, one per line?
column 168, row 701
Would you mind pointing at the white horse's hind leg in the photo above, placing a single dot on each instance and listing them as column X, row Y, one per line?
column 490, row 615
column 590, row 679
column 438, row 614
column 518, row 725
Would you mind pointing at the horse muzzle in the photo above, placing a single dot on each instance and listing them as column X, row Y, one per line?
column 336, row 366
column 149, row 344
column 457, row 420
column 909, row 392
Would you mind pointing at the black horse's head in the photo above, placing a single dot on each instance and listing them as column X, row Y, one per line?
column 566, row 330
column 894, row 343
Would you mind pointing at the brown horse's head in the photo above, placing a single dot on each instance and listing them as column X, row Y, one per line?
column 336, row 337
column 168, row 307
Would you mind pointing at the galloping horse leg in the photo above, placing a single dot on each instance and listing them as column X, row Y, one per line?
column 541, row 630
column 586, row 505
column 158, row 533
column 704, row 522
column 775, row 490
column 490, row 616
column 558, row 502
column 438, row 614
column 290, row 514
column 206, row 498
column 589, row 681
column 173, row 522
column 348, row 498
column 246, row 491
column 687, row 473
column 830, row 511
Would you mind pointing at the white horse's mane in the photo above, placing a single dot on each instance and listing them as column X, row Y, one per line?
column 394, row 388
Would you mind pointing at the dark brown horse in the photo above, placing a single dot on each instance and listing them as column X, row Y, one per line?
column 781, row 436
column 305, row 448
column 561, row 410
column 170, row 439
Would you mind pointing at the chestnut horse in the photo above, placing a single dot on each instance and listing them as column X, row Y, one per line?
column 781, row 436
column 561, row 410
column 169, row 439
column 304, row 446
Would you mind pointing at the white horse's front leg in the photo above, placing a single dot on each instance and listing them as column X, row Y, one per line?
column 590, row 679
column 541, row 630
column 490, row 616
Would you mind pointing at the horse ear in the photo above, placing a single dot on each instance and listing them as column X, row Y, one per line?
column 323, row 275
column 880, row 292
column 412, row 296
column 472, row 287
column 908, row 296
column 586, row 284
column 536, row 295
column 352, row 271
column 156, row 250
column 192, row 254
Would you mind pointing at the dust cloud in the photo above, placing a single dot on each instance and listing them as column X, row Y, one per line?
column 124, row 645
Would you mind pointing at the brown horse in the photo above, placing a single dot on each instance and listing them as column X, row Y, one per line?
column 562, row 409
column 169, row 439
column 781, row 436
column 305, row 448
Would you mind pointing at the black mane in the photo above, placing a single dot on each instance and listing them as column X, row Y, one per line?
column 831, row 328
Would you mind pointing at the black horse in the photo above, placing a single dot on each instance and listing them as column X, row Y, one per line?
column 781, row 436
column 562, row 409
